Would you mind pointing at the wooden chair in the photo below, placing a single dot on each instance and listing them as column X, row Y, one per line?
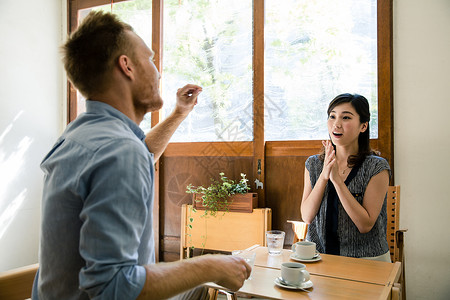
column 394, row 234
column 16, row 284
column 228, row 232
column 396, row 292
column 300, row 229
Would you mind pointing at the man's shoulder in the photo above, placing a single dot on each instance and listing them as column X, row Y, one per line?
column 95, row 131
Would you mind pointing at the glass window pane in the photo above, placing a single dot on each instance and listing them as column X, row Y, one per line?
column 315, row 50
column 137, row 13
column 209, row 43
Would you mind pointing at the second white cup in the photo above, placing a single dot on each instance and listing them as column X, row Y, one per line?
column 304, row 249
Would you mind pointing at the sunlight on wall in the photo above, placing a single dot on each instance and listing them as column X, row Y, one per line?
column 7, row 216
column 11, row 165
column 9, row 127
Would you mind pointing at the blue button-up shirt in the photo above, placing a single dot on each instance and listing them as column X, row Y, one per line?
column 97, row 205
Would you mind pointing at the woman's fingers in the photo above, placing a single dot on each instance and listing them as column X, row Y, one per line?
column 330, row 159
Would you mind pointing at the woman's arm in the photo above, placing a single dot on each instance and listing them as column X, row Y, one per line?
column 312, row 198
column 365, row 215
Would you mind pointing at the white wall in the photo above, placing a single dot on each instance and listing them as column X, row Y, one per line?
column 31, row 118
column 422, row 144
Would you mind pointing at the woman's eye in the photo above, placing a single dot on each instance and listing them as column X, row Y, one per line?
column 346, row 118
column 331, row 117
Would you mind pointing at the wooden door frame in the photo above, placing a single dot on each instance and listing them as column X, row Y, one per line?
column 259, row 149
column 258, row 97
column 157, row 42
column 384, row 143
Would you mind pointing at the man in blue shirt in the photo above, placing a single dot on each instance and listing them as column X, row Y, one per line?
column 96, row 238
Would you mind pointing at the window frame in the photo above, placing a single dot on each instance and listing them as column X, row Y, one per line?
column 259, row 148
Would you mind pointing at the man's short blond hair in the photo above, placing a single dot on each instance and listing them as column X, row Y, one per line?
column 92, row 50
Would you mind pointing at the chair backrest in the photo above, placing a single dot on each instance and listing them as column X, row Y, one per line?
column 16, row 284
column 228, row 232
column 300, row 229
column 393, row 214
column 395, row 236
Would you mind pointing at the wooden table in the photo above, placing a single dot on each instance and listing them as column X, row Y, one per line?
column 334, row 277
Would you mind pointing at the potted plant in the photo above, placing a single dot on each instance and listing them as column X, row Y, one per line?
column 223, row 195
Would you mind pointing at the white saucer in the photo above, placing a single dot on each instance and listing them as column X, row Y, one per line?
column 315, row 258
column 305, row 285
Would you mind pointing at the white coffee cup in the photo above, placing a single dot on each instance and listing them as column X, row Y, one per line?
column 304, row 249
column 294, row 273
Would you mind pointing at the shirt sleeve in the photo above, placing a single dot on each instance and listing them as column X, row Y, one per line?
column 308, row 163
column 116, row 207
column 312, row 164
column 378, row 164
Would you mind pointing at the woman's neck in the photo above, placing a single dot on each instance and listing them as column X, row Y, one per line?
column 343, row 153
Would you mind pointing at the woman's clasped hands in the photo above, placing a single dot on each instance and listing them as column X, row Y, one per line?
column 330, row 169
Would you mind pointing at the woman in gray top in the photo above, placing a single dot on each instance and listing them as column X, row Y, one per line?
column 344, row 196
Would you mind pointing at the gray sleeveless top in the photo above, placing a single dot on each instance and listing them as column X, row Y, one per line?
column 352, row 242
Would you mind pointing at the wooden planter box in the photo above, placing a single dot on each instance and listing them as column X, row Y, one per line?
column 241, row 202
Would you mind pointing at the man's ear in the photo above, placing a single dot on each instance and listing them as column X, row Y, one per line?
column 364, row 126
column 126, row 66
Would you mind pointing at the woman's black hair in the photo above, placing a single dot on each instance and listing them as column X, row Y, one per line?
column 361, row 105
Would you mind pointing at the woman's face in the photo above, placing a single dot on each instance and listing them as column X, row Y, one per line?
column 344, row 125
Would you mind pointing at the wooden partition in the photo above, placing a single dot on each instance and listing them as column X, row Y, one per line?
column 285, row 167
column 176, row 174
column 226, row 231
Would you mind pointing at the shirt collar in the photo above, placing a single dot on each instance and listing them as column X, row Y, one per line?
column 106, row 109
